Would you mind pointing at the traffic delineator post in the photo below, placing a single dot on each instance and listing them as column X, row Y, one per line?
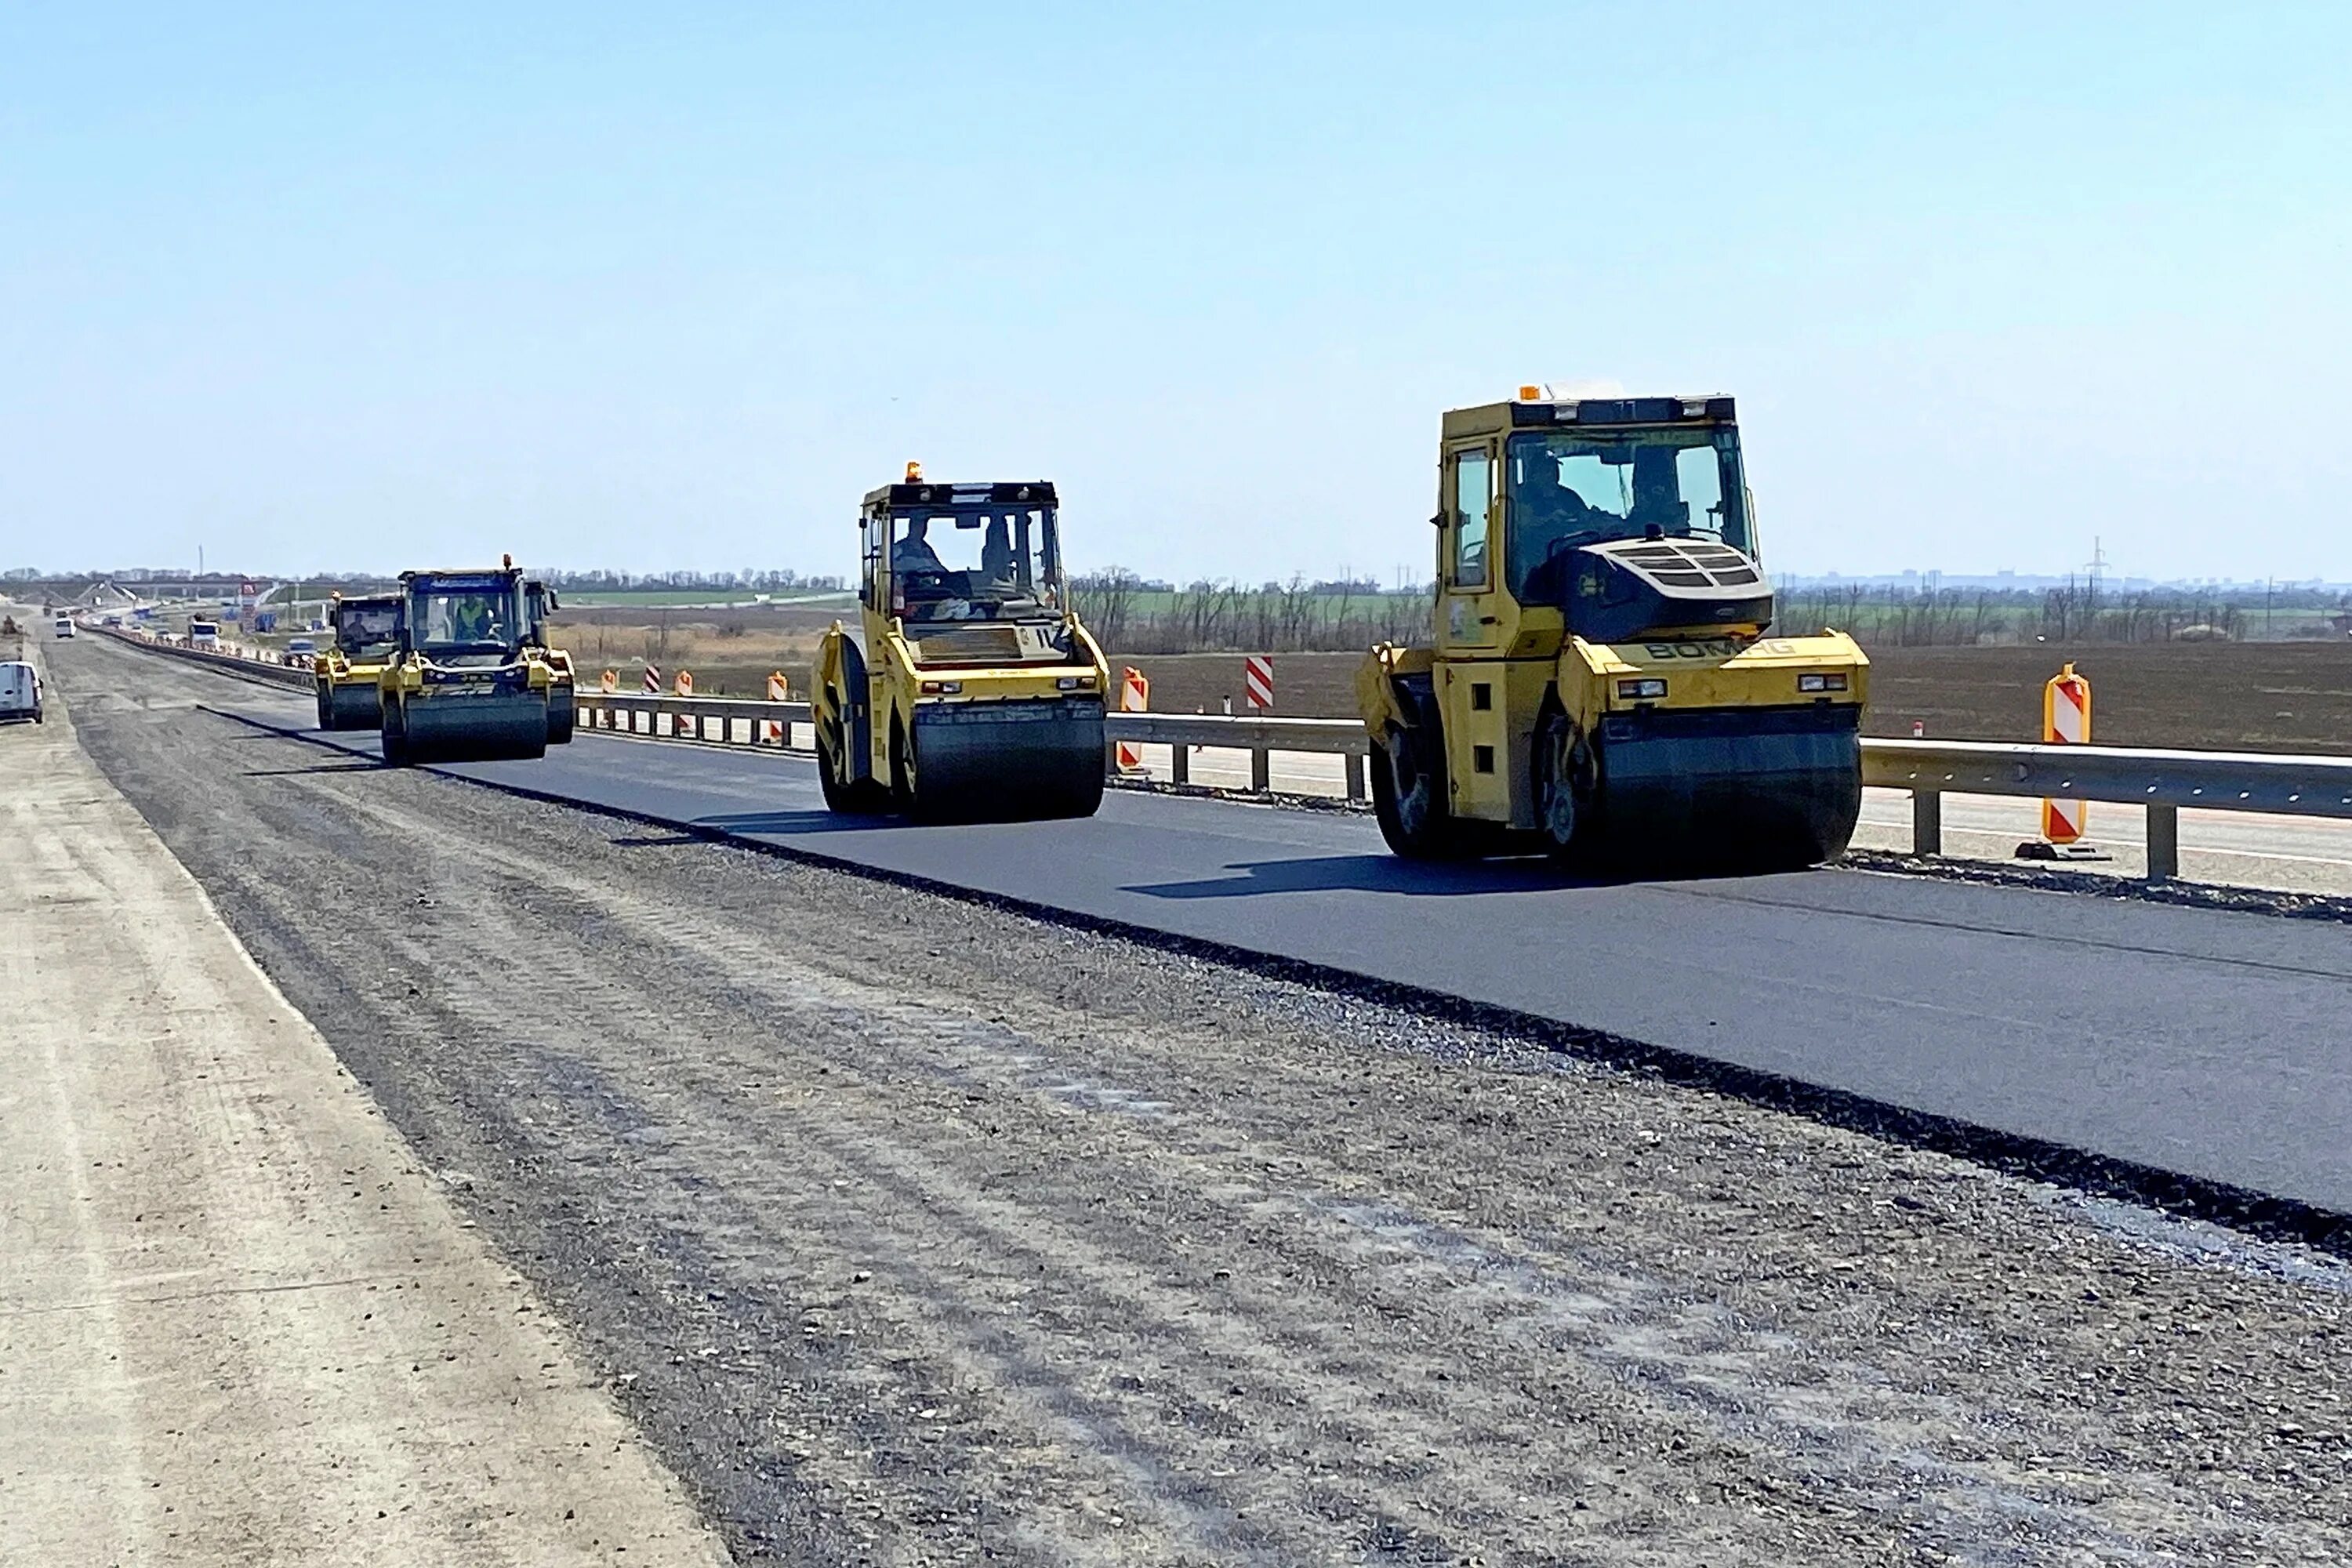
column 652, row 681
column 1257, row 679
column 610, row 682
column 779, row 691
column 1134, row 697
column 2065, row 721
column 684, row 687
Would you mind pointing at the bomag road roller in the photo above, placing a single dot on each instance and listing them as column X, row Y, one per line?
column 465, row 683
column 1606, row 683
column 350, row 669
column 969, row 691
column 539, row 604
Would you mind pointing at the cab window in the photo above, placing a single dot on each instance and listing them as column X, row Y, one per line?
column 1472, row 503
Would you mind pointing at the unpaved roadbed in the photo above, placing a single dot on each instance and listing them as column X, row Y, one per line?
column 237, row 1324
column 918, row 1233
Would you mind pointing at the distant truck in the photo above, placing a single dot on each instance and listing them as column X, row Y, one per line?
column 204, row 634
column 65, row 626
column 20, row 693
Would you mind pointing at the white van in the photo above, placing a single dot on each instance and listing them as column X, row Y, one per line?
column 65, row 626
column 204, row 634
column 20, row 693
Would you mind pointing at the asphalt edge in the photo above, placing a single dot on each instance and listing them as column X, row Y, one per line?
column 2246, row 1209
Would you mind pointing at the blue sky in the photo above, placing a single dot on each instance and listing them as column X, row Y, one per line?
column 639, row 287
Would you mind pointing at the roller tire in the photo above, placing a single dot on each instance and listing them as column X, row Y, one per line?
column 1409, row 800
column 393, row 739
column 851, row 799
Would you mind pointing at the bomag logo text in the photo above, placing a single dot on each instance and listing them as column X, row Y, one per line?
column 1708, row 647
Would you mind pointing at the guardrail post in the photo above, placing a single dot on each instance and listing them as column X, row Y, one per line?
column 2163, row 843
column 1260, row 769
column 1927, row 822
column 1179, row 763
column 1355, row 766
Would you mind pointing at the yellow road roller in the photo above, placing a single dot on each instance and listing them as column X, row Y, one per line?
column 1606, row 683
column 465, row 683
column 349, row 671
column 967, row 690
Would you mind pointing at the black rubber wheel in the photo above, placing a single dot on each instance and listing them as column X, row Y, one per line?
column 393, row 738
column 1409, row 798
column 905, row 787
column 849, row 799
column 1561, row 787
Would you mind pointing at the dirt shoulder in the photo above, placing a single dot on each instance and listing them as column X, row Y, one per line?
column 913, row 1232
column 239, row 1323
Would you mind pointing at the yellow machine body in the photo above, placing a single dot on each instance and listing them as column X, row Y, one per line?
column 1605, row 683
column 968, row 689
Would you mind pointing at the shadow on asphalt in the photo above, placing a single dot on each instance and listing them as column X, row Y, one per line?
column 1367, row 873
column 794, row 824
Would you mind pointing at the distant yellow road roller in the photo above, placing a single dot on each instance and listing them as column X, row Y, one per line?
column 349, row 671
column 1606, row 683
column 967, row 690
column 466, row 682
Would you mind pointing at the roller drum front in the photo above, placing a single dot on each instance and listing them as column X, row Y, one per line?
column 1006, row 761
column 1728, row 789
column 354, row 705
column 467, row 729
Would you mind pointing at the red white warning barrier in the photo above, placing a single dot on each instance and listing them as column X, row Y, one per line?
column 1134, row 697
column 688, row 725
column 1257, row 676
column 652, row 681
column 610, row 682
column 2065, row 720
column 778, row 691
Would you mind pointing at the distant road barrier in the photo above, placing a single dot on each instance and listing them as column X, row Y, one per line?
column 2161, row 782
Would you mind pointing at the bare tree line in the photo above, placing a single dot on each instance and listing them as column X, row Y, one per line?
column 1129, row 615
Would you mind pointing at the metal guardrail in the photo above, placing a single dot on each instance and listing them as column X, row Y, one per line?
column 2161, row 782
column 2283, row 785
column 691, row 719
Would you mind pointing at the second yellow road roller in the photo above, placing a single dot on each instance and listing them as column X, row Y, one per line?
column 967, row 690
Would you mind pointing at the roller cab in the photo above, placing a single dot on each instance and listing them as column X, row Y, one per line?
column 967, row 690
column 465, row 683
column 1607, row 684
column 350, row 671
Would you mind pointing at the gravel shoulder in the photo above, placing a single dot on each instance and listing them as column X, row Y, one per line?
column 915, row 1232
column 238, row 1323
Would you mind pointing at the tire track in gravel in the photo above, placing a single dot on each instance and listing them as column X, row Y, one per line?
column 1474, row 1303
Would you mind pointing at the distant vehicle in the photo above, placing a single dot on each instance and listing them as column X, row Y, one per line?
column 204, row 634
column 65, row 626
column 300, row 645
column 111, row 621
column 20, row 693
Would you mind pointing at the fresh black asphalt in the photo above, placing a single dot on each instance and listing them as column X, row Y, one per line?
column 2211, row 1044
